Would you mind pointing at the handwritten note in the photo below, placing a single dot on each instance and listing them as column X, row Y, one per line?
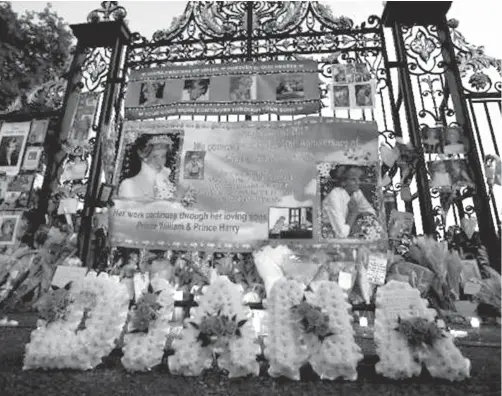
column 377, row 269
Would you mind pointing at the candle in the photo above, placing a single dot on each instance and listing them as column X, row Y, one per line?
column 475, row 323
column 363, row 322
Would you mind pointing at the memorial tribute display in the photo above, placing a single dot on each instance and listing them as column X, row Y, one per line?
column 248, row 183
column 244, row 88
column 228, row 218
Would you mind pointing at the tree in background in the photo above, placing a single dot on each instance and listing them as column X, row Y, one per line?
column 34, row 48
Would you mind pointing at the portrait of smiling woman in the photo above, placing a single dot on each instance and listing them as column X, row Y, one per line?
column 148, row 167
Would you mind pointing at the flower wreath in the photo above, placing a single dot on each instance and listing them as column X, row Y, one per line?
column 219, row 329
column 86, row 332
column 406, row 338
column 149, row 327
column 310, row 326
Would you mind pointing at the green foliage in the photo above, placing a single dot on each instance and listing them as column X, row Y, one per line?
column 419, row 332
column 34, row 49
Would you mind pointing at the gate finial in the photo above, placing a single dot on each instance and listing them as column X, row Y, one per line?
column 109, row 11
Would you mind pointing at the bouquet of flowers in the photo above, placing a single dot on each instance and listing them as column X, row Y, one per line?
column 218, row 330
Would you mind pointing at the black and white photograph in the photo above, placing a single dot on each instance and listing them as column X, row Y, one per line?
column 341, row 96
column 196, row 90
column 290, row 223
column 339, row 74
column 194, row 165
column 290, row 87
column 348, row 202
column 350, row 71
column 149, row 167
column 450, row 174
column 11, row 150
column 362, row 73
column 364, row 95
column 431, row 139
column 38, row 131
column 8, row 226
column 151, row 93
column 455, row 141
column 32, row 158
column 242, row 88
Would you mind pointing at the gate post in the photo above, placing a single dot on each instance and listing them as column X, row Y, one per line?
column 481, row 199
column 114, row 35
column 396, row 15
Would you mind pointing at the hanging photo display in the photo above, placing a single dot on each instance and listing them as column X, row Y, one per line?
column 244, row 88
column 450, row 174
column 231, row 186
column 84, row 117
column 352, row 87
column 19, row 190
column 38, row 131
column 13, row 136
column 8, row 227
column 444, row 140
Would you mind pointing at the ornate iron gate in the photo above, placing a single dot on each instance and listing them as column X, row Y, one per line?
column 409, row 52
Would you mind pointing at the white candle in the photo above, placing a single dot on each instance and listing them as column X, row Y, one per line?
column 363, row 322
column 475, row 323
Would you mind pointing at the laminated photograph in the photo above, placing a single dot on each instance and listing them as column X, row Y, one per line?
column 13, row 136
column 38, row 131
column 32, row 158
column 363, row 95
column 8, row 227
column 349, row 202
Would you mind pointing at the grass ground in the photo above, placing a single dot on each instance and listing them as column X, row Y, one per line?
column 110, row 379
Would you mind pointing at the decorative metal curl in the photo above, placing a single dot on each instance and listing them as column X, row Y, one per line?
column 109, row 11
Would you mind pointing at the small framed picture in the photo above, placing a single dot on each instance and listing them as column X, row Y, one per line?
column 340, row 96
column 339, row 74
column 364, row 96
column 32, row 158
column 8, row 229
column 38, row 131
column 105, row 193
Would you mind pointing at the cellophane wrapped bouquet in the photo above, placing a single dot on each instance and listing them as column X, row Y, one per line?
column 218, row 329
column 149, row 327
column 402, row 318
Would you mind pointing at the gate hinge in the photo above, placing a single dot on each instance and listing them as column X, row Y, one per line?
column 396, row 64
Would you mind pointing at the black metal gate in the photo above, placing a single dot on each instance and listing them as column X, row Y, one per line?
column 409, row 52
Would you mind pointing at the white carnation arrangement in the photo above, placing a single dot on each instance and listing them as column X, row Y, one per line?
column 87, row 332
column 400, row 342
column 292, row 343
column 220, row 330
column 144, row 348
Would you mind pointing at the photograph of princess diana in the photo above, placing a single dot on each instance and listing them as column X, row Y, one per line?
column 148, row 167
column 348, row 202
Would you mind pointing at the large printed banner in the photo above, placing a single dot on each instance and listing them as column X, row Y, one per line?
column 208, row 185
column 245, row 88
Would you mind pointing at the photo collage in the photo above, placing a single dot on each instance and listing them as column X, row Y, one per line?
column 21, row 151
column 449, row 140
column 241, row 88
column 352, row 87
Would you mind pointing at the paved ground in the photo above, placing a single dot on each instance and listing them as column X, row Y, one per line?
column 111, row 379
